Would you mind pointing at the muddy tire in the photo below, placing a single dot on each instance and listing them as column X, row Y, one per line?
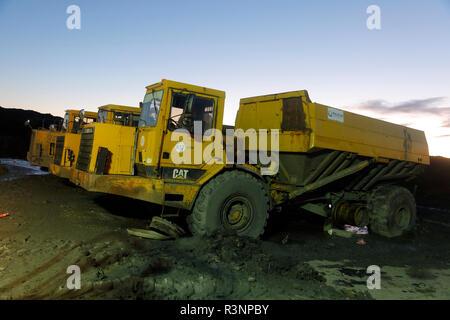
column 392, row 211
column 235, row 202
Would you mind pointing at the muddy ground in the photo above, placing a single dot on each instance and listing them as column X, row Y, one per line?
column 53, row 224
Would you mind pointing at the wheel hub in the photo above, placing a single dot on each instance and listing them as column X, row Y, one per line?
column 402, row 218
column 237, row 213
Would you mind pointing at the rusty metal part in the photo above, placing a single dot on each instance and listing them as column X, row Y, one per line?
column 148, row 234
column 160, row 229
column 351, row 213
column 166, row 227
column 294, row 117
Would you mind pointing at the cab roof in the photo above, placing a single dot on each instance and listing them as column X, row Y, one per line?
column 117, row 107
column 88, row 114
column 188, row 87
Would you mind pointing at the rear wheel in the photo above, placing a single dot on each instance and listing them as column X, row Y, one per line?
column 233, row 201
column 392, row 211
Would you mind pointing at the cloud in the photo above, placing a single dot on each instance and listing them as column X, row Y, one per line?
column 446, row 124
column 420, row 106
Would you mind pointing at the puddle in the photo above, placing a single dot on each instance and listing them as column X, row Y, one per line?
column 18, row 169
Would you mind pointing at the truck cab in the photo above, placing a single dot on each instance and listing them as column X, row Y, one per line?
column 68, row 149
column 175, row 117
column 107, row 146
column 44, row 142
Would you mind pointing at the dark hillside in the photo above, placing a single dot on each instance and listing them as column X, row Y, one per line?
column 434, row 184
column 15, row 136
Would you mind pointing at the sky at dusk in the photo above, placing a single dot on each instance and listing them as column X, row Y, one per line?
column 400, row 73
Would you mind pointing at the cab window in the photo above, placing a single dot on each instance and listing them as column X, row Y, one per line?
column 88, row 120
column 102, row 116
column 135, row 120
column 121, row 118
column 150, row 109
column 187, row 108
column 76, row 124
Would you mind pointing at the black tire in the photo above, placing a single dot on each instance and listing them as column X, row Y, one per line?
column 234, row 201
column 392, row 211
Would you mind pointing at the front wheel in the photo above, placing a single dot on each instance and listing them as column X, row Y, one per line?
column 233, row 201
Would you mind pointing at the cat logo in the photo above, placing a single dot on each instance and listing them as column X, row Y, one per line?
column 179, row 173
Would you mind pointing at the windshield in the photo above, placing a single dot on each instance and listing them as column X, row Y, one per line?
column 66, row 121
column 102, row 116
column 150, row 109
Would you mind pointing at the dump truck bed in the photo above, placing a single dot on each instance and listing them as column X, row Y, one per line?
column 307, row 127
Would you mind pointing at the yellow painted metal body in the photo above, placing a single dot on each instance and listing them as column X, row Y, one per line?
column 119, row 140
column 111, row 131
column 69, row 156
column 161, row 186
column 153, row 190
column 69, row 142
column 158, row 179
column 73, row 122
column 330, row 128
column 152, row 141
column 43, row 141
column 119, row 115
column 42, row 147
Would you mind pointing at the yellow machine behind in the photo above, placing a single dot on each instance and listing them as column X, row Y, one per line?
column 42, row 147
column 113, row 117
column 43, row 143
column 107, row 147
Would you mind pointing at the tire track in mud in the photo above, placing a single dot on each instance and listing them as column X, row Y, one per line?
column 45, row 288
column 47, row 265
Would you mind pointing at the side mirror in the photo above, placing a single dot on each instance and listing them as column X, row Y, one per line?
column 82, row 113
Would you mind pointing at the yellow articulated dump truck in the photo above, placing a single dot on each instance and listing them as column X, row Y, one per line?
column 107, row 147
column 109, row 116
column 42, row 147
column 44, row 141
column 284, row 150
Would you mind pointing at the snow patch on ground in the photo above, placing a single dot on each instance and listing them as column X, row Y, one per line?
column 19, row 168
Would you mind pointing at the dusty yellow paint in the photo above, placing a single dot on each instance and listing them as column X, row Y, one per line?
column 119, row 140
column 43, row 141
column 110, row 114
column 72, row 120
column 352, row 133
column 151, row 142
column 151, row 146
column 42, row 147
column 129, row 186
